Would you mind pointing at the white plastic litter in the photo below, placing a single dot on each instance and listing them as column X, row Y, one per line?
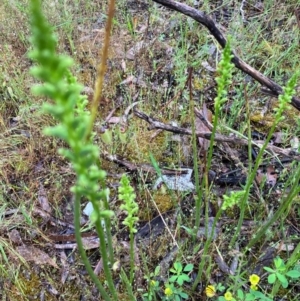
column 179, row 182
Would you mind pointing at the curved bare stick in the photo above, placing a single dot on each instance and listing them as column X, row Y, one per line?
column 205, row 20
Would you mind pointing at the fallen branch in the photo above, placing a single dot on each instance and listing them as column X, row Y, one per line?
column 205, row 20
column 136, row 167
column 155, row 124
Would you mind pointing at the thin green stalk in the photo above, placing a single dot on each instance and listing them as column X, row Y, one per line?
column 283, row 100
column 243, row 203
column 105, row 260
column 108, row 233
column 225, row 70
column 128, row 285
column 104, row 238
column 131, row 251
column 206, row 247
column 208, row 163
column 77, row 215
column 249, row 133
column 295, row 256
column 285, row 204
column 198, row 201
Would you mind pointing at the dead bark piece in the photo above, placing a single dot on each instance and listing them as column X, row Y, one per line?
column 208, row 22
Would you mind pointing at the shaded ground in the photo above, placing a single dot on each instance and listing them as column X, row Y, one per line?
column 151, row 50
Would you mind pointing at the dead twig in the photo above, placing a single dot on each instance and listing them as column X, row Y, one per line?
column 208, row 22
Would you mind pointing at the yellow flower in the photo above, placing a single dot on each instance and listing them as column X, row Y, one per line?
column 168, row 291
column 254, row 279
column 210, row 291
column 228, row 296
column 152, row 282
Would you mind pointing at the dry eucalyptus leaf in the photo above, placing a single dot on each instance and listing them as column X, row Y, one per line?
column 295, row 143
column 201, row 127
column 207, row 66
column 278, row 137
column 135, row 50
column 30, row 253
column 260, row 176
column 15, row 237
column 43, row 200
column 285, row 247
column 90, row 243
column 271, row 176
column 123, row 66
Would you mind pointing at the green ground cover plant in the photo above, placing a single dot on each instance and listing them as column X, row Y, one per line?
column 254, row 293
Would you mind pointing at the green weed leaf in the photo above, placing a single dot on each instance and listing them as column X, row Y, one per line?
column 183, row 278
column 271, row 278
column 293, row 274
column 269, row 270
column 250, row 297
column 178, row 267
column 240, row 294
column 284, row 282
column 279, row 264
column 189, row 267
column 183, row 295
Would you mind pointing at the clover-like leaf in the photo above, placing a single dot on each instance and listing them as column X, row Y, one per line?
column 178, row 267
column 183, row 295
column 183, row 278
column 293, row 274
column 188, row 267
column 284, row 282
column 269, row 270
column 173, row 278
column 240, row 294
column 279, row 264
column 271, row 278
